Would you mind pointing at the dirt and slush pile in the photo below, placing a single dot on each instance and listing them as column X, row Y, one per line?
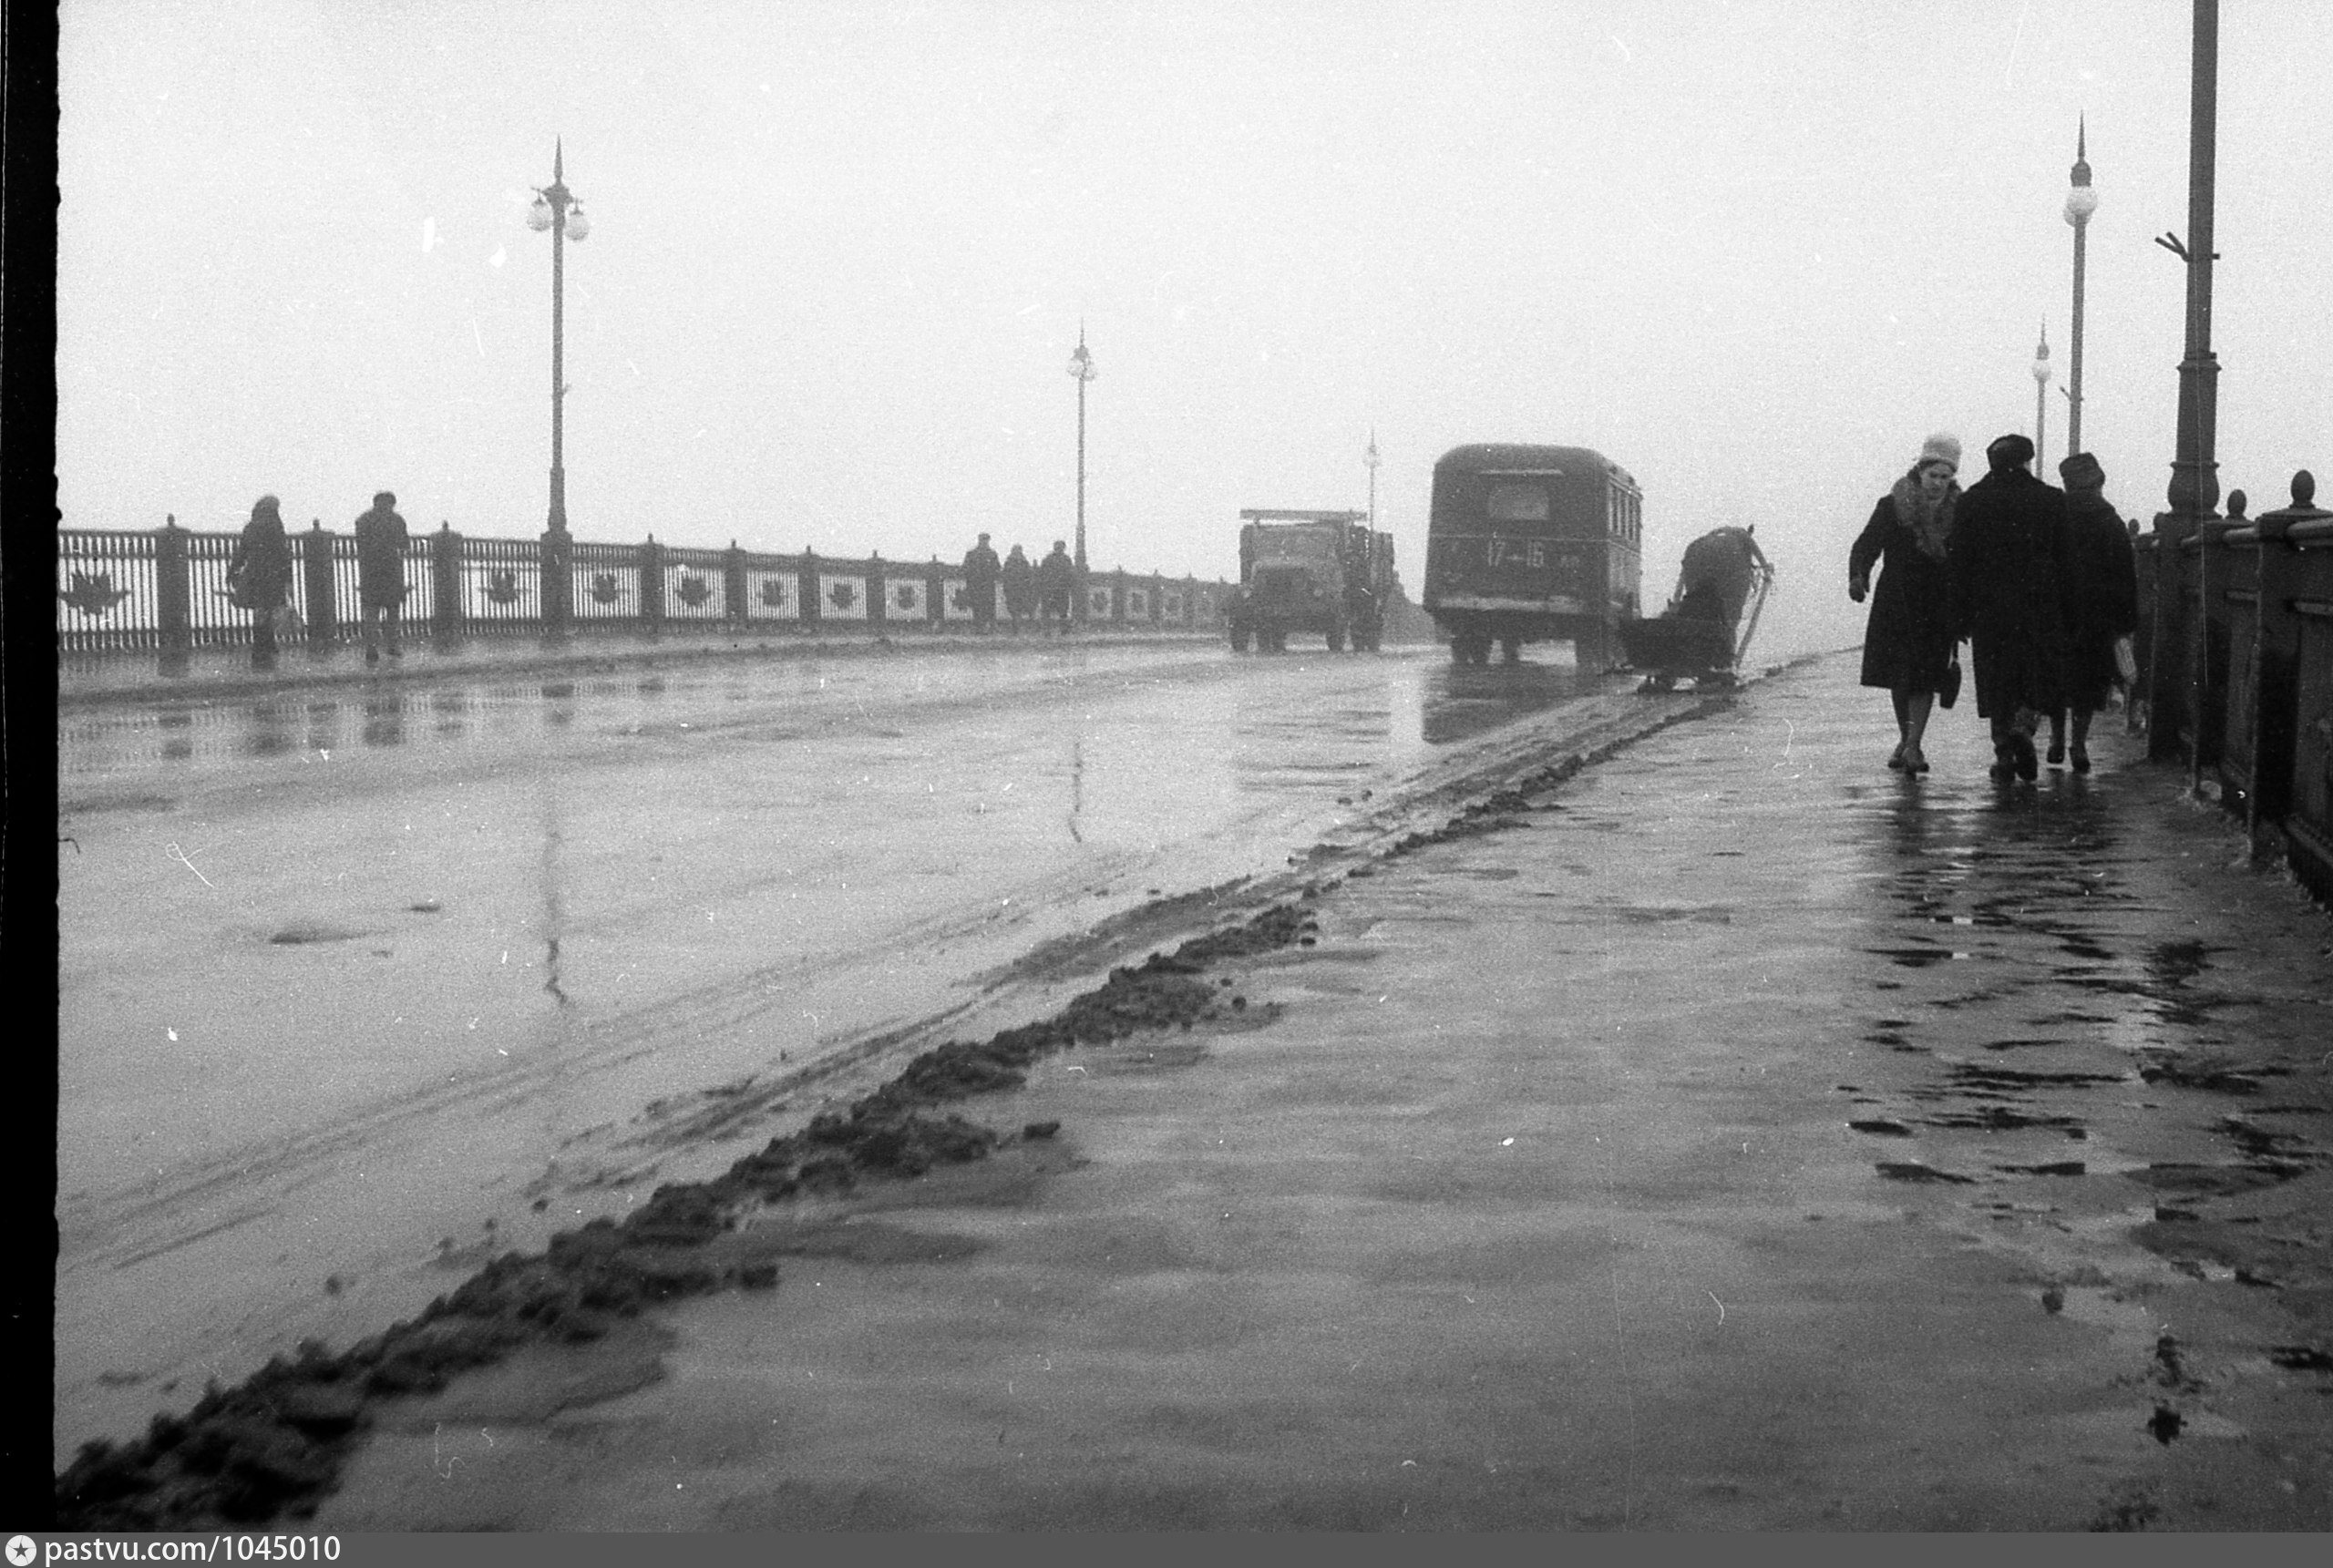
column 274, row 1444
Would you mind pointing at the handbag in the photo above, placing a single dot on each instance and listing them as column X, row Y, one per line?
column 1949, row 692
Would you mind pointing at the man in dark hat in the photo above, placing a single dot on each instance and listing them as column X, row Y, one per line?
column 2009, row 577
column 1056, row 580
column 2101, row 603
column 980, row 570
column 380, row 574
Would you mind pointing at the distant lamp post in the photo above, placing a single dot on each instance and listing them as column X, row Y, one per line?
column 1371, row 458
column 2041, row 401
column 557, row 209
column 2081, row 200
column 1080, row 370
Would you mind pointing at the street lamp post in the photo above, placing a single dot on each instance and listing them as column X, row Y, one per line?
column 1080, row 370
column 1371, row 458
column 2081, row 202
column 2195, row 473
column 2041, row 401
column 557, row 209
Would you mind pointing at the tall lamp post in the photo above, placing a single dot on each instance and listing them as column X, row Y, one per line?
column 1371, row 458
column 2041, row 401
column 2195, row 489
column 557, row 209
column 1080, row 370
column 2081, row 202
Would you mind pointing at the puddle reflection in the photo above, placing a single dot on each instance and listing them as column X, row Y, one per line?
column 1276, row 738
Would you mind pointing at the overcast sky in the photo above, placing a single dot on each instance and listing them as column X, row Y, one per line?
column 1754, row 252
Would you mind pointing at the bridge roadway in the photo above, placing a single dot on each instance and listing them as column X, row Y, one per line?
column 363, row 980
column 1739, row 1136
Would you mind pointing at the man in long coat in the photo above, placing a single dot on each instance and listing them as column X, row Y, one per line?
column 2010, row 575
column 1056, row 580
column 2101, row 600
column 381, row 539
column 980, row 570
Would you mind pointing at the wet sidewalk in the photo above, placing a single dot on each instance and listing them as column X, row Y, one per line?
column 215, row 672
column 1732, row 1134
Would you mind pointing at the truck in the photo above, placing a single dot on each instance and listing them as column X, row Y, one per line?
column 1311, row 571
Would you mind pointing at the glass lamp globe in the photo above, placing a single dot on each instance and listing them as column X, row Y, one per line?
column 2042, row 372
column 1080, row 363
column 538, row 215
column 2081, row 202
column 578, row 226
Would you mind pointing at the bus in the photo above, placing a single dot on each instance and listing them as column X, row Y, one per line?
column 1533, row 544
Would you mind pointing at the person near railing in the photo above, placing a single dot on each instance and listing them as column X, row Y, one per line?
column 982, row 569
column 2101, row 604
column 2009, row 581
column 1909, row 644
column 380, row 574
column 259, row 576
column 1056, row 580
column 1020, row 588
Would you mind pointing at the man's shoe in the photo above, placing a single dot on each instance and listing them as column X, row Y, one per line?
column 2004, row 767
column 2029, row 766
column 2082, row 758
column 2057, row 751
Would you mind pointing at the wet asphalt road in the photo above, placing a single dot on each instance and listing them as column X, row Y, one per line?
column 1736, row 1136
column 358, row 986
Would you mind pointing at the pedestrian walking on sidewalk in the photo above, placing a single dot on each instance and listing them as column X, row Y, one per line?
column 2010, row 576
column 1020, row 588
column 980, row 572
column 380, row 574
column 259, row 576
column 1909, row 644
column 2101, row 604
column 1056, row 580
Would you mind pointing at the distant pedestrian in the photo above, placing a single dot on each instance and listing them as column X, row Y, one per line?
column 1056, row 580
column 1020, row 588
column 980, row 572
column 2101, row 603
column 380, row 574
column 259, row 576
column 1908, row 643
column 2009, row 573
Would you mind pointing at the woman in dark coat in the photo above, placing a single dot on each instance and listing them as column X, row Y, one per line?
column 2101, row 602
column 259, row 576
column 1908, row 645
column 1020, row 586
column 2009, row 573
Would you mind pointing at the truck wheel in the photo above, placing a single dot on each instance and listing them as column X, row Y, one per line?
column 1510, row 649
column 1460, row 652
column 1239, row 636
column 1336, row 639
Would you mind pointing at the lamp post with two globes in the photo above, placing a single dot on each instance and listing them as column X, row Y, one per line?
column 557, row 209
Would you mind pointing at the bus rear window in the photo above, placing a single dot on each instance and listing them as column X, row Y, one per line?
column 1518, row 504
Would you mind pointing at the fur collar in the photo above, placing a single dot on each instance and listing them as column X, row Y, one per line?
column 1930, row 526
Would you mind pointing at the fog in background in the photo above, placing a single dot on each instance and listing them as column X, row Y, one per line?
column 841, row 251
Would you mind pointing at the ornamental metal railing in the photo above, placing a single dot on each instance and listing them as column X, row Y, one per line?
column 2235, row 654
column 121, row 589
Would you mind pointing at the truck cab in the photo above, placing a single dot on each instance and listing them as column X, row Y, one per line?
column 1309, row 571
